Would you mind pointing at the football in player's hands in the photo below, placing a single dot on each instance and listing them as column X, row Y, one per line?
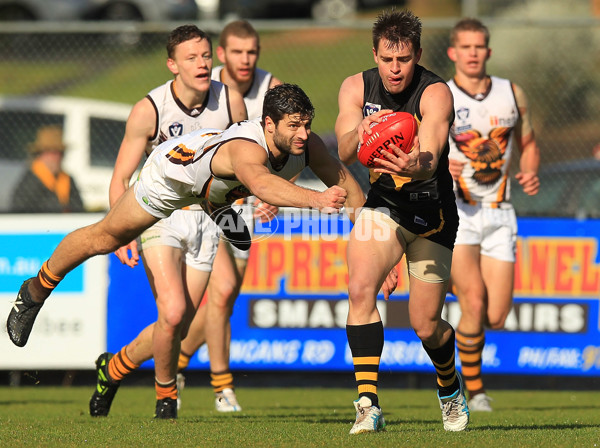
column 398, row 128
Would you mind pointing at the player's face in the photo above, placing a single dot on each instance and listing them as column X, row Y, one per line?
column 240, row 57
column 291, row 134
column 396, row 65
column 470, row 53
column 192, row 62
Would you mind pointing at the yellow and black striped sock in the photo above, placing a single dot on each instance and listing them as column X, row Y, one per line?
column 470, row 351
column 366, row 345
column 165, row 390
column 120, row 366
column 183, row 362
column 444, row 362
column 221, row 380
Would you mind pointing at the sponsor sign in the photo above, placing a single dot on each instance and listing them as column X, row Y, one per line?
column 292, row 310
column 70, row 330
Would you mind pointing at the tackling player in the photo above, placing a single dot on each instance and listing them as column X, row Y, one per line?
column 238, row 50
column 178, row 251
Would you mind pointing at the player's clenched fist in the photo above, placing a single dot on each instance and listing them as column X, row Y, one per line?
column 331, row 200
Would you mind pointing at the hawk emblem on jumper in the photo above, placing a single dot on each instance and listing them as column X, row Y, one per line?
column 485, row 153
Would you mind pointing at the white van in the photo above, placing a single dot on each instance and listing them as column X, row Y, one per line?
column 93, row 131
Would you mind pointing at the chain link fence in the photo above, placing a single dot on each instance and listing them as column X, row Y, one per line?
column 554, row 61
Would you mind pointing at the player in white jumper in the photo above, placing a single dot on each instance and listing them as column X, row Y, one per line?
column 238, row 51
column 178, row 251
column 211, row 168
column 491, row 115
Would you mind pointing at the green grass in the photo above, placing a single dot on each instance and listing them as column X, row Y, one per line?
column 293, row 417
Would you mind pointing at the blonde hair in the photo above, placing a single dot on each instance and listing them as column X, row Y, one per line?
column 469, row 24
column 238, row 28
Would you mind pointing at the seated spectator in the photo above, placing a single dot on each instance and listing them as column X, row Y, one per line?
column 45, row 187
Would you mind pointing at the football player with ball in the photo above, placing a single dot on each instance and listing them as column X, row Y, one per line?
column 410, row 199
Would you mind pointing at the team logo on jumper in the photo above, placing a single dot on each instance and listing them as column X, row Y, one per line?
column 486, row 153
column 462, row 113
column 176, row 130
column 370, row 109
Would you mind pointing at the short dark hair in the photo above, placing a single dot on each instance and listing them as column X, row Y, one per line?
column 397, row 27
column 286, row 99
column 469, row 24
column 184, row 33
column 238, row 28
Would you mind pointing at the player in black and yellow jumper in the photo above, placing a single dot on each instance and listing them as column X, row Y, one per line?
column 410, row 210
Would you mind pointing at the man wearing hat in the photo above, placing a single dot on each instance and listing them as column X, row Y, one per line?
column 45, row 187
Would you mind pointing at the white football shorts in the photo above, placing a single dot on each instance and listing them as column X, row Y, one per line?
column 158, row 192
column 493, row 229
column 192, row 231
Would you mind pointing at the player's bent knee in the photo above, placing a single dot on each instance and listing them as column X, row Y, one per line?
column 427, row 334
column 358, row 293
column 224, row 295
column 174, row 318
column 497, row 323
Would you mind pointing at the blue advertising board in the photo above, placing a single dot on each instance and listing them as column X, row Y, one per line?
column 70, row 329
column 292, row 310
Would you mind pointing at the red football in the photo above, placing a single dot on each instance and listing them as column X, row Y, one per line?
column 398, row 128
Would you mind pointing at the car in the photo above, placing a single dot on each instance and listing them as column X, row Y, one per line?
column 92, row 130
column 48, row 10
column 322, row 10
column 144, row 10
column 74, row 10
column 567, row 189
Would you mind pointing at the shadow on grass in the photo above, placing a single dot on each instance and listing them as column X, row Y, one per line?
column 531, row 427
column 21, row 402
column 548, row 408
column 304, row 418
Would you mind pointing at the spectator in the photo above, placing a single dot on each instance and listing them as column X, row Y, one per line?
column 45, row 187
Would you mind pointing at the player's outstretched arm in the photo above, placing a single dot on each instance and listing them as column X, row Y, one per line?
column 250, row 167
column 332, row 172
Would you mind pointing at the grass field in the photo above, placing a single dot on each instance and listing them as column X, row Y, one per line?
column 293, row 417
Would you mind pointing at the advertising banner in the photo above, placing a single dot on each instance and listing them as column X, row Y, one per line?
column 291, row 314
column 70, row 330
